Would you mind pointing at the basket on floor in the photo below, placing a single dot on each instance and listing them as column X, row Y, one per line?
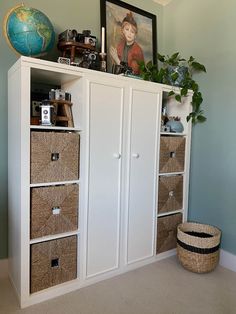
column 198, row 246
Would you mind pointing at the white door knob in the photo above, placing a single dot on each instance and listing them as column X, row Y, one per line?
column 135, row 155
column 116, row 155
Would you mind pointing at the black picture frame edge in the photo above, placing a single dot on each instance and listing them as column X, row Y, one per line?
column 130, row 7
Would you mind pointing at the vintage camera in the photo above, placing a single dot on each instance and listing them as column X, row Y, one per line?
column 90, row 40
column 35, row 108
column 90, row 60
column 47, row 113
column 165, row 128
column 86, row 38
column 122, row 68
column 68, row 35
column 63, row 60
column 59, row 94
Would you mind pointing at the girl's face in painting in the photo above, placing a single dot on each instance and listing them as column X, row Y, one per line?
column 129, row 32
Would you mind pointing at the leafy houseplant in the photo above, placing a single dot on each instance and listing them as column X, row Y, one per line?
column 177, row 71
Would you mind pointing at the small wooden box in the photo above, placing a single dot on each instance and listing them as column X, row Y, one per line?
column 170, row 196
column 167, row 232
column 54, row 210
column 53, row 262
column 54, row 156
column 172, row 154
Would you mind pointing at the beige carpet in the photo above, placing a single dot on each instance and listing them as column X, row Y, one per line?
column 160, row 288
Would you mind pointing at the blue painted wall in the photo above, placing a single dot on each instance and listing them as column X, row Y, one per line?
column 206, row 30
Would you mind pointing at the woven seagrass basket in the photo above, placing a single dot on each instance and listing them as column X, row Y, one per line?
column 198, row 246
column 53, row 262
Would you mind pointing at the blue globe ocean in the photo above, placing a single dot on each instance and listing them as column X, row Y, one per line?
column 29, row 31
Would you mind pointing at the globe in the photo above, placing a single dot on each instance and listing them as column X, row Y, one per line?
column 28, row 31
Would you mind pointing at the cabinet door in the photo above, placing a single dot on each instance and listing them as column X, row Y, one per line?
column 144, row 120
column 105, row 135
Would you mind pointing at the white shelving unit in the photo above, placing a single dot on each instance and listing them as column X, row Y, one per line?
column 174, row 180
column 118, row 119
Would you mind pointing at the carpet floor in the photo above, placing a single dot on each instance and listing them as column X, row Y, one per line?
column 163, row 287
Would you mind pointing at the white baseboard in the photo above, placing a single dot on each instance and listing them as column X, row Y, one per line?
column 228, row 260
column 3, row 268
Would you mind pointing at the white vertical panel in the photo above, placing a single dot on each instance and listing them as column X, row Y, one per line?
column 142, row 189
column 14, row 178
column 106, row 115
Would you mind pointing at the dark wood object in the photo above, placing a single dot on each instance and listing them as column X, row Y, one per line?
column 64, row 113
column 73, row 49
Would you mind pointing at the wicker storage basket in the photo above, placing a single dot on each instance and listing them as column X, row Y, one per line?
column 53, row 262
column 198, row 246
column 172, row 154
column 167, row 231
column 54, row 210
column 54, row 156
column 170, row 196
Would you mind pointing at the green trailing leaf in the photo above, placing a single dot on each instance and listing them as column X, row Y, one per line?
column 160, row 57
column 194, row 87
column 201, row 118
column 174, row 76
column 188, row 118
column 184, row 91
column 198, row 66
column 149, row 65
column 160, row 74
column 191, row 59
column 146, row 76
column 171, row 93
column 178, row 98
column 174, row 56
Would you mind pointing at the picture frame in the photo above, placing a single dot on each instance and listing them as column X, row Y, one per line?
column 115, row 17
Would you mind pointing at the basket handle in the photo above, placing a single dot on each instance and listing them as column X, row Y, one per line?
column 55, row 156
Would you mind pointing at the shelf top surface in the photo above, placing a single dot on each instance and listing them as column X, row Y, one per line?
column 37, row 65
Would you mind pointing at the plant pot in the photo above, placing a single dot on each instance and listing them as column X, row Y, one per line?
column 175, row 126
column 180, row 70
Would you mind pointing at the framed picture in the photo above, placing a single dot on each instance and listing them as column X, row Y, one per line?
column 130, row 35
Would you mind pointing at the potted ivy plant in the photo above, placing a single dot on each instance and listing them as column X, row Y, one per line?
column 177, row 71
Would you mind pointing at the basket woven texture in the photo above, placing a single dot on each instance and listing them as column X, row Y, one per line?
column 54, row 210
column 198, row 246
column 167, row 231
column 53, row 262
column 170, row 196
column 45, row 145
column 172, row 154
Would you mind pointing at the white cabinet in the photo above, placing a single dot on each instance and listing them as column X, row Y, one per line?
column 123, row 128
column 106, row 106
column 118, row 120
column 144, row 124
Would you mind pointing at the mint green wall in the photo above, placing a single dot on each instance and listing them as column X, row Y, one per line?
column 206, row 30
column 77, row 14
